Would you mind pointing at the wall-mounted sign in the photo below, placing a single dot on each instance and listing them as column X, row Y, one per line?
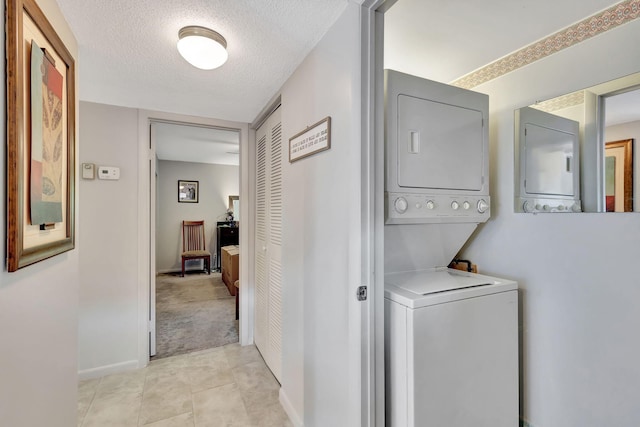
column 312, row 140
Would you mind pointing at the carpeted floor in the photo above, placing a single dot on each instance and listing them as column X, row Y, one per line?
column 193, row 313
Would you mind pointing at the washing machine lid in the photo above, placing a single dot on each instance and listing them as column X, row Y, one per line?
column 434, row 281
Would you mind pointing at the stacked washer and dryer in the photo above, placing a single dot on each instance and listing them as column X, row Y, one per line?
column 451, row 337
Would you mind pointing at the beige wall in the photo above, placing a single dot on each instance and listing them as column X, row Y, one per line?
column 108, row 229
column 38, row 316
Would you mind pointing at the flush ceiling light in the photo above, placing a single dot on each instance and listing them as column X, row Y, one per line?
column 201, row 47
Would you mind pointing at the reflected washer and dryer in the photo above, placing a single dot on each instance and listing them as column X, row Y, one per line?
column 452, row 349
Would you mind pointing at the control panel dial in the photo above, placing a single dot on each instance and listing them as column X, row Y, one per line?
column 482, row 206
column 401, row 205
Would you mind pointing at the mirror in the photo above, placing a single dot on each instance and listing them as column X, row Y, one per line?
column 234, row 207
column 576, row 152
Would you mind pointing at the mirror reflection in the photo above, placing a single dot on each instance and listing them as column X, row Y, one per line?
column 576, row 152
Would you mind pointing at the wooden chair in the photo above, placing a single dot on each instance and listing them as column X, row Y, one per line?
column 193, row 244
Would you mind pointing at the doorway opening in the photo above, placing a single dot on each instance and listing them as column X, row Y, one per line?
column 197, row 310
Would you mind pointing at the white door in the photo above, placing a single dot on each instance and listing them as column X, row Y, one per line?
column 268, row 266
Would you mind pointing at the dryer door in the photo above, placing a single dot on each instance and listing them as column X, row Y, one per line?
column 440, row 146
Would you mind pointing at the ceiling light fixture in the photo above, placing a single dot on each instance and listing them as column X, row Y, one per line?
column 201, row 47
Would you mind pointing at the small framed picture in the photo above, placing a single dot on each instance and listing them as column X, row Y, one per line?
column 187, row 191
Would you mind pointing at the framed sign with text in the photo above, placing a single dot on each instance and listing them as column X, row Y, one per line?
column 310, row 141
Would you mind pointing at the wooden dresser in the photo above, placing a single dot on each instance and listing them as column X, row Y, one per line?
column 226, row 234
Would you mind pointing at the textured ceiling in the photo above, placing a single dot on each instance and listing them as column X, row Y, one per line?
column 128, row 54
column 197, row 144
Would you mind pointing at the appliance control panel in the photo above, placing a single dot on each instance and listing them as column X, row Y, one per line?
column 535, row 205
column 407, row 208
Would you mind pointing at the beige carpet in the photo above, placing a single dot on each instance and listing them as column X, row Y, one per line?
column 193, row 313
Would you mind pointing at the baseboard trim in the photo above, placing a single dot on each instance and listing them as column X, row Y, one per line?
column 101, row 371
column 288, row 408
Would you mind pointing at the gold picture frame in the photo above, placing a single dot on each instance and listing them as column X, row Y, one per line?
column 231, row 199
column 619, row 175
column 29, row 242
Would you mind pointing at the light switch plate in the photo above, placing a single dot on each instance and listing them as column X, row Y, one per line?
column 108, row 172
column 88, row 171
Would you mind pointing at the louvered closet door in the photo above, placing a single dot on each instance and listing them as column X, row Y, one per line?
column 268, row 268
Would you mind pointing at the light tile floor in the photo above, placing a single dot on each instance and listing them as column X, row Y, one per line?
column 224, row 386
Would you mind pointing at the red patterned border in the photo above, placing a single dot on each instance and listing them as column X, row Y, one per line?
column 613, row 17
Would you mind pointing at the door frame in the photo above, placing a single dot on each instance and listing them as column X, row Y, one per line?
column 146, row 154
column 372, row 199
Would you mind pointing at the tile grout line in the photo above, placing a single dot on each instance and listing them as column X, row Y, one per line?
column 235, row 382
column 93, row 397
column 193, row 408
column 144, row 389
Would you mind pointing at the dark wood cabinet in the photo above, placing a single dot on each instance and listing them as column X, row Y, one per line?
column 227, row 234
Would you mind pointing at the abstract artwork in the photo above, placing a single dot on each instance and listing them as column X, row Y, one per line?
column 619, row 175
column 610, row 183
column 46, row 139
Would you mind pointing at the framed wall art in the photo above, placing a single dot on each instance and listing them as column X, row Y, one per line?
column 619, row 176
column 187, row 191
column 40, row 138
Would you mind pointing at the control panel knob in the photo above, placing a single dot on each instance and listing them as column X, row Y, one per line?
column 576, row 208
column 430, row 205
column 527, row 206
column 482, row 206
column 538, row 206
column 546, row 207
column 560, row 207
column 401, row 205
column 466, row 206
column 418, row 205
column 455, row 205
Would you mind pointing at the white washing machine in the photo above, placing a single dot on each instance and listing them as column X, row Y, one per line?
column 451, row 350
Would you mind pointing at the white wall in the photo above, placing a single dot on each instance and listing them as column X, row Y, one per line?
column 320, row 250
column 629, row 130
column 108, row 336
column 216, row 184
column 38, row 314
column 579, row 289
